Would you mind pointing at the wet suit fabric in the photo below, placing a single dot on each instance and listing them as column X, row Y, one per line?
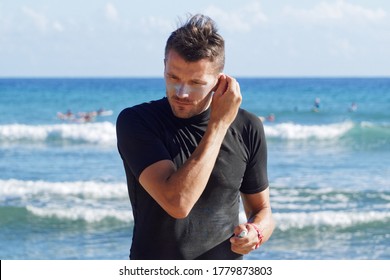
column 148, row 133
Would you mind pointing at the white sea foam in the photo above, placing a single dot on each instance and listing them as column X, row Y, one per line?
column 286, row 221
column 339, row 178
column 87, row 214
column 89, row 201
column 294, row 131
column 92, row 201
column 90, row 189
column 102, row 133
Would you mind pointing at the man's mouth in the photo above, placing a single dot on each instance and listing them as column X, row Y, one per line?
column 182, row 102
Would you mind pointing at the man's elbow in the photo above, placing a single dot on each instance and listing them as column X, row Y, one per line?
column 178, row 214
column 178, row 209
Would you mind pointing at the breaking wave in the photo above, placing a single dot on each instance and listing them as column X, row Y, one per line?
column 103, row 133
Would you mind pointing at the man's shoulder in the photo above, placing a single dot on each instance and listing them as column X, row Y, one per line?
column 143, row 110
column 150, row 105
column 245, row 117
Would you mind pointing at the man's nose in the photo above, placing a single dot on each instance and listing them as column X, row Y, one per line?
column 182, row 91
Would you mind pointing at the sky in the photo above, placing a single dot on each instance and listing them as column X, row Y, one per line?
column 126, row 38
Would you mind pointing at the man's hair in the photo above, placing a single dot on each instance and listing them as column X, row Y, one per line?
column 198, row 39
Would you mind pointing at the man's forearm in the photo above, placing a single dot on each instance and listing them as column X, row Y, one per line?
column 258, row 211
column 186, row 185
column 264, row 222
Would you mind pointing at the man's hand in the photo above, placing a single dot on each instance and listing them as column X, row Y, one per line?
column 226, row 100
column 260, row 223
column 243, row 243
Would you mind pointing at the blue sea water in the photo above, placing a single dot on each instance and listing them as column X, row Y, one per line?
column 62, row 185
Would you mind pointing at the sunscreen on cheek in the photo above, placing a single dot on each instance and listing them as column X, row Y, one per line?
column 184, row 90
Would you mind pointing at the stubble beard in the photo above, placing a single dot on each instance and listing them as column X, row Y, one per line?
column 189, row 108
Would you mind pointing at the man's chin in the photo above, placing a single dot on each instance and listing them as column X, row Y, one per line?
column 182, row 114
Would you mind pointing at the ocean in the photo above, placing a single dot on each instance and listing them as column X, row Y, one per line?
column 62, row 185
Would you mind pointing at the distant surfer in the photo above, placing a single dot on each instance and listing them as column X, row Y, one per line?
column 102, row 112
column 353, row 107
column 271, row 117
column 316, row 106
column 83, row 117
column 86, row 117
column 68, row 115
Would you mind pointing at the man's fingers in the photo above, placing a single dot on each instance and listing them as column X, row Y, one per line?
column 222, row 85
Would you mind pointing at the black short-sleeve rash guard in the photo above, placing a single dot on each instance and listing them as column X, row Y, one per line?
column 148, row 133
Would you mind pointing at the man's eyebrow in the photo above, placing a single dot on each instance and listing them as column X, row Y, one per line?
column 170, row 74
column 195, row 81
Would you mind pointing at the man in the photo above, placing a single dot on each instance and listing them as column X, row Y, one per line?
column 189, row 156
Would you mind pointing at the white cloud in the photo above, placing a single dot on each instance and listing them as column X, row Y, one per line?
column 38, row 19
column 58, row 26
column 343, row 47
column 243, row 19
column 338, row 10
column 156, row 23
column 111, row 12
column 41, row 21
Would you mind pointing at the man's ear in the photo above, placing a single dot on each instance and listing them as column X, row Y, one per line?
column 217, row 83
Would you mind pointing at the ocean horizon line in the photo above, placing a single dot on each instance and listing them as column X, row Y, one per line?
column 161, row 77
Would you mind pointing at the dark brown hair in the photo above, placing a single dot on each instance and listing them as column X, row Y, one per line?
column 197, row 39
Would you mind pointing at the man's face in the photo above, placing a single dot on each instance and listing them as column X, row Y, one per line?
column 189, row 85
